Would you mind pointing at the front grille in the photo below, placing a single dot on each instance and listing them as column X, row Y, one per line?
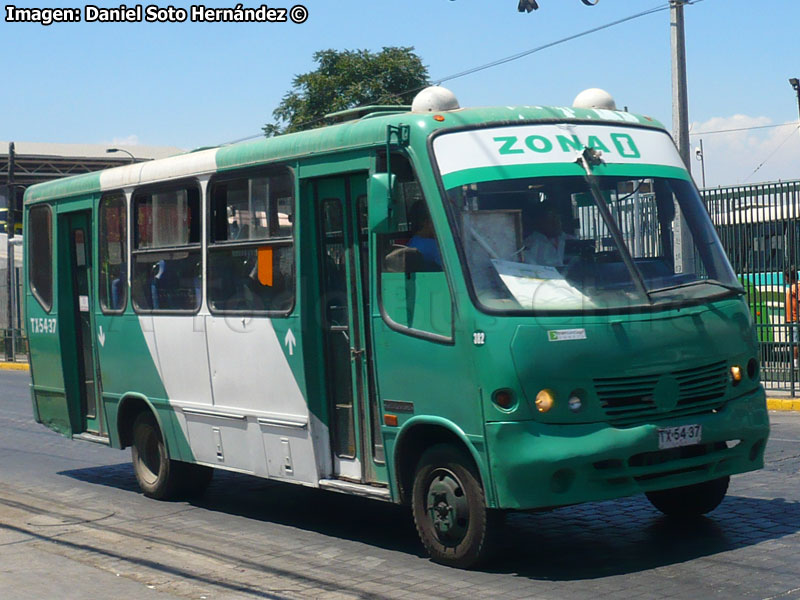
column 630, row 400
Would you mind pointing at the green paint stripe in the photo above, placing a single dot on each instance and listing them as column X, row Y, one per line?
column 496, row 173
column 644, row 170
column 63, row 188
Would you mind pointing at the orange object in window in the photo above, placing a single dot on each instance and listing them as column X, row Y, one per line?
column 265, row 265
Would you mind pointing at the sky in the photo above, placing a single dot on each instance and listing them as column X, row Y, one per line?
column 202, row 84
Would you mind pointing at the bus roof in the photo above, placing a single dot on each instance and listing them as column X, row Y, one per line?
column 365, row 132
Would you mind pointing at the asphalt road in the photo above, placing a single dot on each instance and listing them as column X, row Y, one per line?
column 74, row 525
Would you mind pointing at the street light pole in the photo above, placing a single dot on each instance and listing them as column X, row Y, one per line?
column 702, row 158
column 133, row 158
column 796, row 85
column 10, row 350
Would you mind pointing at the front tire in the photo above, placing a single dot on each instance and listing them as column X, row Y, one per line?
column 449, row 508
column 157, row 475
column 691, row 500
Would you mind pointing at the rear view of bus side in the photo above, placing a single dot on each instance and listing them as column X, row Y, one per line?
column 468, row 311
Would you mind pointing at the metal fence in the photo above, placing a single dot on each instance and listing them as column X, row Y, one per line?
column 759, row 226
column 13, row 343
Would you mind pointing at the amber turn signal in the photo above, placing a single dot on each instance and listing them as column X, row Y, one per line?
column 390, row 420
column 545, row 400
column 736, row 374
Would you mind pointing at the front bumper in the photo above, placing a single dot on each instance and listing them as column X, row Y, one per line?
column 535, row 465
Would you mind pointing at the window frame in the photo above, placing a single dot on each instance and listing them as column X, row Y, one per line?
column 278, row 169
column 382, row 167
column 195, row 247
column 113, row 195
column 30, row 238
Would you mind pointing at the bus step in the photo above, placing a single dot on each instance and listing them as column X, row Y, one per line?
column 92, row 437
column 356, row 489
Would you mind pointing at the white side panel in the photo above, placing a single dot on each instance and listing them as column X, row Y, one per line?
column 175, row 167
column 222, row 442
column 289, row 453
column 178, row 347
column 250, row 375
column 249, row 370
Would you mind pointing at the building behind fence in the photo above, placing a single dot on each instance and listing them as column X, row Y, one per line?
column 759, row 226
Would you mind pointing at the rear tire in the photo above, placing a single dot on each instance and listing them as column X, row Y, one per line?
column 691, row 500
column 449, row 509
column 158, row 476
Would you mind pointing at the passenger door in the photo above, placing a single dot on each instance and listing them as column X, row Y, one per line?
column 81, row 375
column 343, row 248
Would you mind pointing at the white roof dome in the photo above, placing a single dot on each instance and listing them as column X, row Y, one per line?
column 434, row 99
column 594, row 98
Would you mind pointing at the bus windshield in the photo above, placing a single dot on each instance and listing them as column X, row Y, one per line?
column 569, row 237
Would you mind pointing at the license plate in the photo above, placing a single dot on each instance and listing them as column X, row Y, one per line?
column 685, row 435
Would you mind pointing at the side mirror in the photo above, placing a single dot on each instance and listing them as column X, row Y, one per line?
column 382, row 203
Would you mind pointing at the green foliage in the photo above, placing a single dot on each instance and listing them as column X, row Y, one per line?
column 348, row 79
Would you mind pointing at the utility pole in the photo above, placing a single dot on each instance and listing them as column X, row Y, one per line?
column 10, row 346
column 683, row 245
column 680, row 95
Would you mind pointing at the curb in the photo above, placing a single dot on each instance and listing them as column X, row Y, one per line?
column 792, row 404
column 7, row 366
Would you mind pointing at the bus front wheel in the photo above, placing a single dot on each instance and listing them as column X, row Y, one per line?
column 690, row 500
column 156, row 474
column 449, row 508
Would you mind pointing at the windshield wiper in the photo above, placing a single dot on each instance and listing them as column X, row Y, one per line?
column 587, row 159
column 733, row 288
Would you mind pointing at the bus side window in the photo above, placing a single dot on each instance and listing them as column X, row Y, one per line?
column 113, row 249
column 414, row 290
column 166, row 254
column 251, row 244
column 40, row 247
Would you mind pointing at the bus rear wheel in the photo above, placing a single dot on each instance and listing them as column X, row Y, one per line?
column 691, row 500
column 157, row 475
column 449, row 509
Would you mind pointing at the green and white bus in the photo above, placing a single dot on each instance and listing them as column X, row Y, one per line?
column 468, row 311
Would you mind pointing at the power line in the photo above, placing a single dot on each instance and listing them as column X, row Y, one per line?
column 507, row 59
column 519, row 55
column 791, row 133
column 744, row 128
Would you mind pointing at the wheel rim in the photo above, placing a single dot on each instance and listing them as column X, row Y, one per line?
column 447, row 507
column 147, row 445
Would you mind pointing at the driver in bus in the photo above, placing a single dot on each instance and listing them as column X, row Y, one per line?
column 546, row 243
column 424, row 236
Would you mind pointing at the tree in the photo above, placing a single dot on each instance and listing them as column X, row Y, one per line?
column 348, row 79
